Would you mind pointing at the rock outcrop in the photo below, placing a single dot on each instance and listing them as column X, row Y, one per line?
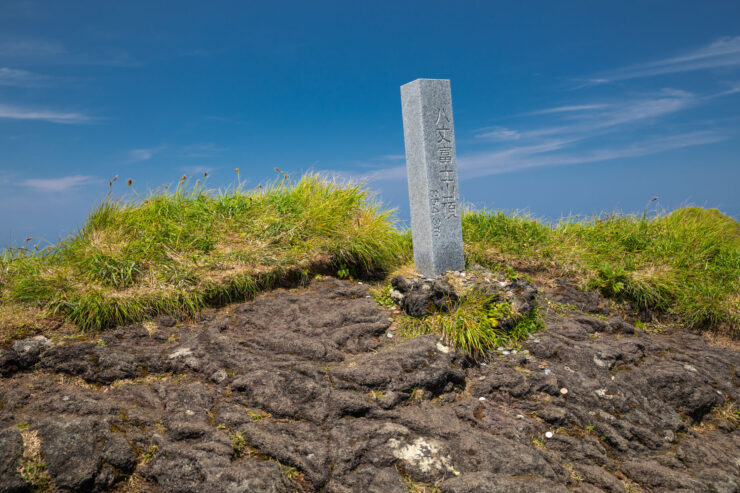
column 302, row 390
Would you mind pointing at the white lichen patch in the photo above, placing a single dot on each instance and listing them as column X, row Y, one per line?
column 183, row 352
column 424, row 455
column 602, row 393
column 442, row 348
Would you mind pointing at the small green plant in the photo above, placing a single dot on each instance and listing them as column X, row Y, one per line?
column 728, row 412
column 149, row 453
column 382, row 296
column 291, row 473
column 417, row 394
column 343, row 272
column 377, row 394
column 257, row 416
column 35, row 473
column 538, row 442
column 22, row 426
column 239, row 443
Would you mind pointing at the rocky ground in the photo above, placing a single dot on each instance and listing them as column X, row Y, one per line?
column 303, row 390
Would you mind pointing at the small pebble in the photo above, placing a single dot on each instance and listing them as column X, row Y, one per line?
column 483, row 364
column 547, row 371
column 548, row 434
column 481, row 398
column 499, row 348
column 513, row 351
column 520, row 416
column 481, row 378
column 389, row 336
column 505, row 353
column 563, row 391
column 358, row 282
column 536, row 341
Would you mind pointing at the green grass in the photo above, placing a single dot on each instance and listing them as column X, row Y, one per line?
column 473, row 325
column 174, row 252
column 686, row 263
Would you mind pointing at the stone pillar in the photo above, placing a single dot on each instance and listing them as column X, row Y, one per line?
column 431, row 166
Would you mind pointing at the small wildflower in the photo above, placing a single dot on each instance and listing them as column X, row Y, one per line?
column 205, row 174
column 184, row 177
column 130, row 181
column 236, row 170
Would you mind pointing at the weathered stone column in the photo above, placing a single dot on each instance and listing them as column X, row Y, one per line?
column 431, row 166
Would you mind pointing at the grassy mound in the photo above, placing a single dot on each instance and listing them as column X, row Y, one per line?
column 175, row 252
column 686, row 263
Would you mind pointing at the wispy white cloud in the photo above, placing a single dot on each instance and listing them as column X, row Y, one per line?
column 21, row 78
column 53, row 52
column 724, row 52
column 30, row 48
column 555, row 153
column 144, row 154
column 498, row 134
column 392, row 157
column 18, row 113
column 568, row 109
column 524, row 157
column 576, row 134
column 582, row 121
column 59, row 184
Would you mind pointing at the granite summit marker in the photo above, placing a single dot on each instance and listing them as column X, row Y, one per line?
column 431, row 166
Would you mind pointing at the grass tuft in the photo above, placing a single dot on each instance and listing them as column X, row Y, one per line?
column 473, row 326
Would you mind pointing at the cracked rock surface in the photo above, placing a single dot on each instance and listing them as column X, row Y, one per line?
column 302, row 390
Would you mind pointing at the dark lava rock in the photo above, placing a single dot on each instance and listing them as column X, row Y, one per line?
column 423, row 362
column 568, row 294
column 420, row 296
column 486, row 482
column 9, row 362
column 76, row 450
column 301, row 390
column 11, row 451
column 29, row 349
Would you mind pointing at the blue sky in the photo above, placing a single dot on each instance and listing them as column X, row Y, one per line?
column 560, row 107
